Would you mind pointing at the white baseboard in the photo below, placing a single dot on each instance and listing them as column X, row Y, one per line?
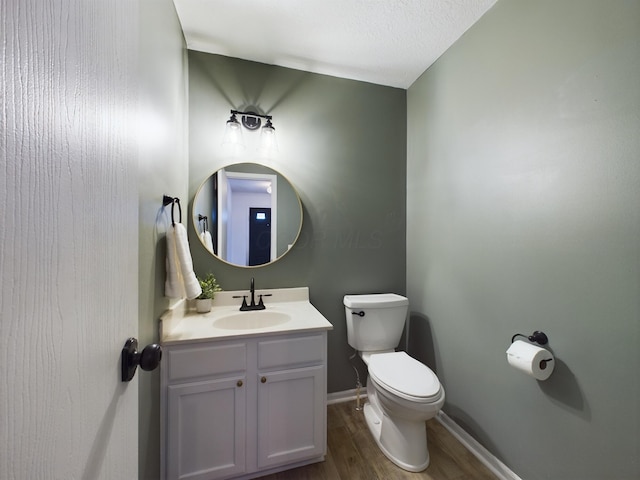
column 346, row 396
column 485, row 456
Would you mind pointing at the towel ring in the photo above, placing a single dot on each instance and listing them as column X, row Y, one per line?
column 166, row 200
column 205, row 220
column 176, row 200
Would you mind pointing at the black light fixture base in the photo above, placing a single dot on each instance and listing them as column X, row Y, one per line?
column 251, row 121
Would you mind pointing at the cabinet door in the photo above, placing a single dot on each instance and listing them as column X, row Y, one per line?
column 291, row 415
column 206, row 429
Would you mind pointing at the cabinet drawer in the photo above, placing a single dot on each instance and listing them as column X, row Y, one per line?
column 206, row 361
column 287, row 352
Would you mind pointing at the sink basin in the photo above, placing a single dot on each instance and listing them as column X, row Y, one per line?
column 251, row 320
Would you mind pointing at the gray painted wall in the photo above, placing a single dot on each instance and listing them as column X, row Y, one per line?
column 163, row 166
column 342, row 144
column 523, row 193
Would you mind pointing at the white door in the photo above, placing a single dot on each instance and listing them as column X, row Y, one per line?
column 68, row 239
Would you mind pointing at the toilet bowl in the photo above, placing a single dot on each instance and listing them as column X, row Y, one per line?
column 402, row 393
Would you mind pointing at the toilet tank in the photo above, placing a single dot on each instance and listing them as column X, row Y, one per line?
column 375, row 321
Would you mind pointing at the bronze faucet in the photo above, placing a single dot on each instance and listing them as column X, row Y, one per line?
column 252, row 305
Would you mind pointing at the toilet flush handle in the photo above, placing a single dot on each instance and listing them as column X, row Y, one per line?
column 360, row 313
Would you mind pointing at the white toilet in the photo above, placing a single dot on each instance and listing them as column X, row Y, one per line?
column 402, row 392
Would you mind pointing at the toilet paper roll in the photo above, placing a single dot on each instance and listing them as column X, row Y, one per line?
column 534, row 361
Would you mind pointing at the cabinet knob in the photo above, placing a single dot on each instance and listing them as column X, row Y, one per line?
column 239, row 383
column 263, row 379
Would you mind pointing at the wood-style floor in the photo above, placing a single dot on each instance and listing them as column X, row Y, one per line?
column 352, row 454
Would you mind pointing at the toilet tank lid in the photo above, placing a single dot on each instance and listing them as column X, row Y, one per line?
column 375, row 300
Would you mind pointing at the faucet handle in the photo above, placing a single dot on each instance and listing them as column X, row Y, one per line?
column 260, row 305
column 244, row 305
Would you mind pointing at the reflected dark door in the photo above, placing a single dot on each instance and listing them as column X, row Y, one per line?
column 259, row 236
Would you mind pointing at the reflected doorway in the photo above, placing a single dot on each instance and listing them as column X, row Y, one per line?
column 259, row 236
column 244, row 192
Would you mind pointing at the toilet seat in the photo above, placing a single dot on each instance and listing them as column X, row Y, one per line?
column 405, row 377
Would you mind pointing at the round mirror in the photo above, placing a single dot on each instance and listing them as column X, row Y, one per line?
column 247, row 214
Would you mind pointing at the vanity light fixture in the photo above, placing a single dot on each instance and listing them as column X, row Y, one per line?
column 233, row 133
column 268, row 144
column 251, row 121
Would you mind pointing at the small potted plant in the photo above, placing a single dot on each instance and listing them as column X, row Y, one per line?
column 209, row 286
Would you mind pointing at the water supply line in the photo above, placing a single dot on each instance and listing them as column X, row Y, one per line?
column 358, row 384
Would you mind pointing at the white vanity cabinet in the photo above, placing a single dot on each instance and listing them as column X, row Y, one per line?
column 243, row 407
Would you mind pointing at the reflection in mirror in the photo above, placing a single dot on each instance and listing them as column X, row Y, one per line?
column 247, row 214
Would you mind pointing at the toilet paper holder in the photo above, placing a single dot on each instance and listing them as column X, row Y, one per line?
column 540, row 363
column 538, row 337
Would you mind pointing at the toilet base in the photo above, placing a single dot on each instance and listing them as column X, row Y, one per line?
column 402, row 442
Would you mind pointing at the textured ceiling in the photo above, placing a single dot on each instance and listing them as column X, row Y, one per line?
column 387, row 42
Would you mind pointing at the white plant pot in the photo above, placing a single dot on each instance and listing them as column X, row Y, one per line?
column 203, row 305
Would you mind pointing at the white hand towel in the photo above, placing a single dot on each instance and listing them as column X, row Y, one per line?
column 208, row 241
column 191, row 284
column 173, row 285
column 181, row 281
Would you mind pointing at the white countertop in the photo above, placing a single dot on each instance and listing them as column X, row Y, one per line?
column 182, row 324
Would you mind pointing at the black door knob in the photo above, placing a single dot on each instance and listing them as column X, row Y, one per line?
column 148, row 359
